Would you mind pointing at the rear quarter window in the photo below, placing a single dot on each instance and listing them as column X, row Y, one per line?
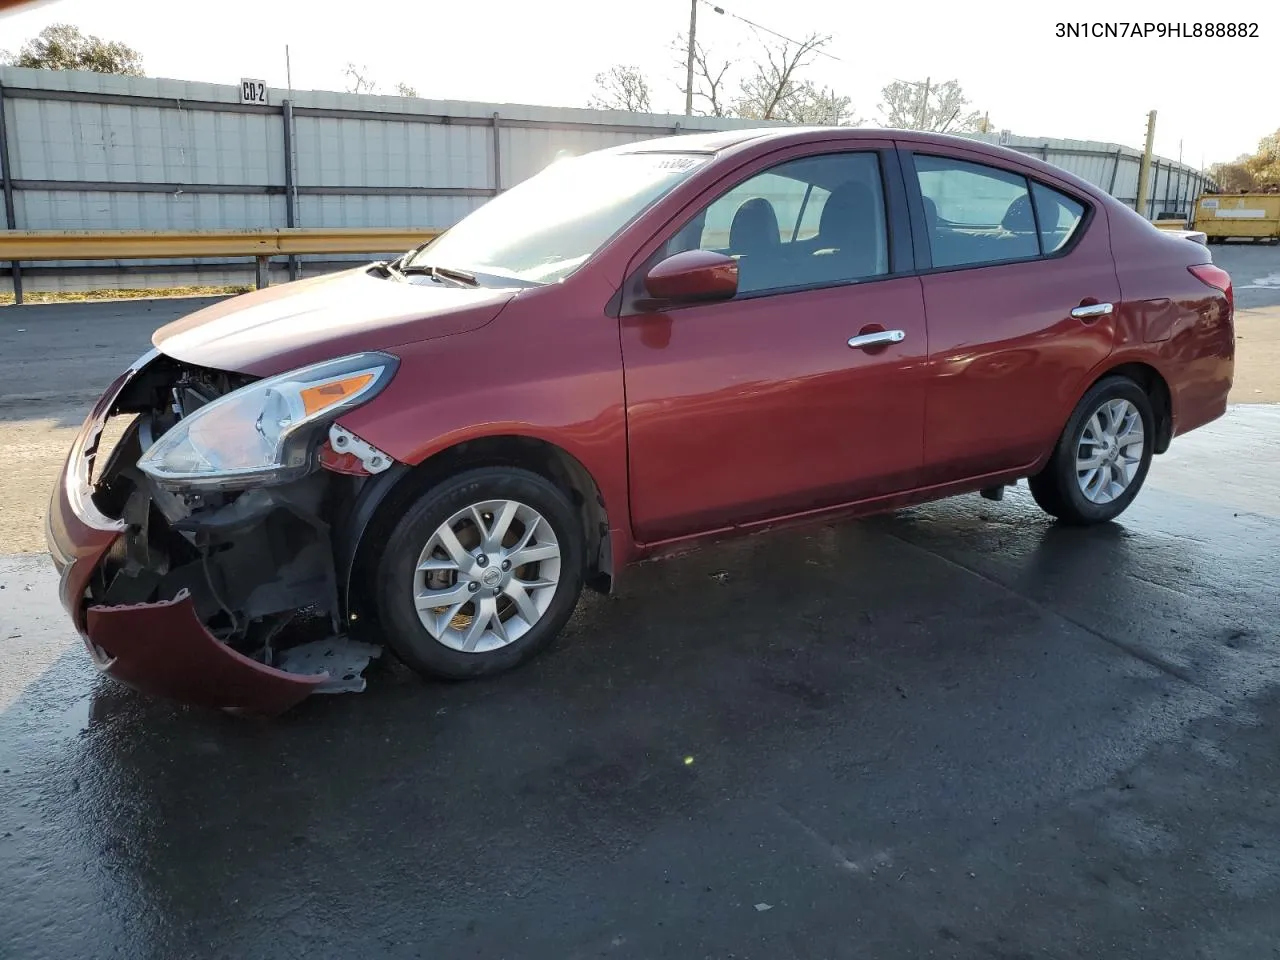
column 1059, row 217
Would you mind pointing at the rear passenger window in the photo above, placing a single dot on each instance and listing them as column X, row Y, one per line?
column 1059, row 216
column 975, row 213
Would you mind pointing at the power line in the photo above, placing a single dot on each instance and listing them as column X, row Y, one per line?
column 758, row 26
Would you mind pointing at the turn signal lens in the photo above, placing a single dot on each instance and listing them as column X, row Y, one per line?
column 315, row 399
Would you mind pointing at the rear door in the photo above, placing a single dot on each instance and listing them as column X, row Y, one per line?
column 1007, row 258
column 758, row 407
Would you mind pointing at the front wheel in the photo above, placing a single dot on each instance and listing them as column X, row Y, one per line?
column 481, row 573
column 1102, row 457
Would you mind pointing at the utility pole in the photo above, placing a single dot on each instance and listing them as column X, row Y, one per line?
column 924, row 104
column 688, row 75
column 1144, row 170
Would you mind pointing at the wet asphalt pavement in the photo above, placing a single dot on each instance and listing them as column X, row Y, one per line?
column 955, row 731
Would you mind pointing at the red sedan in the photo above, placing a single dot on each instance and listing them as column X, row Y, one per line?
column 635, row 350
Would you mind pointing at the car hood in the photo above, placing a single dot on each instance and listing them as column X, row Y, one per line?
column 279, row 328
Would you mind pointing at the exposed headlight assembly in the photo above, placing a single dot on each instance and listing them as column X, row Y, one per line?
column 263, row 434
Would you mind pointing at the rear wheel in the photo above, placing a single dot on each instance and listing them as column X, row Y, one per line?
column 1102, row 457
column 481, row 573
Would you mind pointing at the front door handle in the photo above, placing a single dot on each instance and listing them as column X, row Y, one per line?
column 1091, row 310
column 877, row 339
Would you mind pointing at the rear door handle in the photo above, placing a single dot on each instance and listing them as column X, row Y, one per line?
column 1092, row 310
column 877, row 339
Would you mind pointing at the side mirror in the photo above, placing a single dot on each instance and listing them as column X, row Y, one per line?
column 693, row 276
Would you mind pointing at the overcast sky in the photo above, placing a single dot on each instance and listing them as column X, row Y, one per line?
column 1216, row 98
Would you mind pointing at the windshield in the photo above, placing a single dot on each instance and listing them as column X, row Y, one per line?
column 542, row 229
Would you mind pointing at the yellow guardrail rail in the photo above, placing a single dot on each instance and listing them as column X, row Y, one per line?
column 150, row 244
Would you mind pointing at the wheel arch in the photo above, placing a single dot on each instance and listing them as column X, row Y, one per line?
column 381, row 501
column 1154, row 385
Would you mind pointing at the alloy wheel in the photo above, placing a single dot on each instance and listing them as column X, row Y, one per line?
column 487, row 575
column 1109, row 451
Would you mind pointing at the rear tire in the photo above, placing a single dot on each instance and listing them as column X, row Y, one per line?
column 1102, row 457
column 516, row 579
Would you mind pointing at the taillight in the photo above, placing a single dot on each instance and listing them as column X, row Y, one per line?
column 1215, row 277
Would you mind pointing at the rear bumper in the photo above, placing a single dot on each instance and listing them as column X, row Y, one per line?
column 158, row 648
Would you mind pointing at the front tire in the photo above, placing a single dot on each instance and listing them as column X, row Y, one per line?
column 481, row 573
column 1102, row 457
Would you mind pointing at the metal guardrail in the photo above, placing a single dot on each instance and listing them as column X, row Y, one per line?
column 29, row 245
column 161, row 244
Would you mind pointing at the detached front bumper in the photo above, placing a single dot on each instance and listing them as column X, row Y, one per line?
column 159, row 648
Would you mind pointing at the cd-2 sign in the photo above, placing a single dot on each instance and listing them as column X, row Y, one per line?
column 253, row 91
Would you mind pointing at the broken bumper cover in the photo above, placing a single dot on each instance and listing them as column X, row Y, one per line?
column 158, row 648
column 163, row 648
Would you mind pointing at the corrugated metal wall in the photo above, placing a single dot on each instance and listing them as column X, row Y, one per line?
column 97, row 152
column 1171, row 186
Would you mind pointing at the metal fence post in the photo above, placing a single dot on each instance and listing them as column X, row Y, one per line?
column 290, row 188
column 10, row 218
column 1115, row 168
column 497, row 155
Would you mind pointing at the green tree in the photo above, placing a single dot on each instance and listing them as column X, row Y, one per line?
column 1232, row 177
column 62, row 46
column 1265, row 164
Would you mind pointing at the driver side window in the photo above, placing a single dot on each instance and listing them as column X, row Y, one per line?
column 815, row 221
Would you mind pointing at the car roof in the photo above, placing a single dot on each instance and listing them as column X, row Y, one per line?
column 755, row 138
column 715, row 141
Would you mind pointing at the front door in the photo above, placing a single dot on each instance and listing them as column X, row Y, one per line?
column 759, row 407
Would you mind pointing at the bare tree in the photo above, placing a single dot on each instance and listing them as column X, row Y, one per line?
column 359, row 80
column 709, row 73
column 808, row 105
column 919, row 106
column 772, row 90
column 405, row 90
column 621, row 87
column 62, row 46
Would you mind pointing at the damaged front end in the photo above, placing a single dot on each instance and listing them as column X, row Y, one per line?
column 210, row 528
